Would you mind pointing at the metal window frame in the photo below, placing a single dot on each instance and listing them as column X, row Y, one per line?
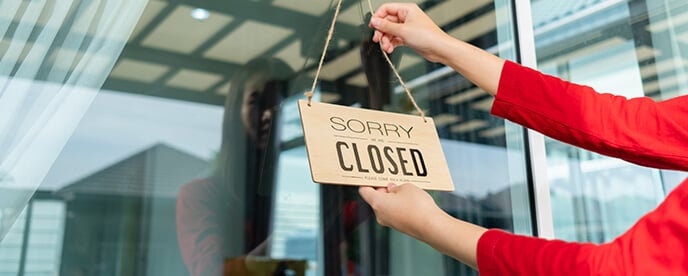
column 536, row 158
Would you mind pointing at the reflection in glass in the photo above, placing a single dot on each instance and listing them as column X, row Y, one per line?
column 155, row 181
column 228, row 214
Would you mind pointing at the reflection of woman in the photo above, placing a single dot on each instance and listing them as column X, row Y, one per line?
column 228, row 214
column 637, row 130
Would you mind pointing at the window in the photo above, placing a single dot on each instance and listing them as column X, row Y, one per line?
column 629, row 48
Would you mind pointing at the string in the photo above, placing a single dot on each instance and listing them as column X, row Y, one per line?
column 309, row 94
column 396, row 73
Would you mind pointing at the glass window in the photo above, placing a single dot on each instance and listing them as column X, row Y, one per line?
column 629, row 48
column 33, row 246
column 180, row 151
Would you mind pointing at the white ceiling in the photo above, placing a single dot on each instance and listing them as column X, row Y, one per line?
column 230, row 37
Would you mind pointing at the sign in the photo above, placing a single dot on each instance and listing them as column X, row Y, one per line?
column 360, row 147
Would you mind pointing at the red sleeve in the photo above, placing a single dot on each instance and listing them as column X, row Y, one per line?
column 638, row 130
column 655, row 245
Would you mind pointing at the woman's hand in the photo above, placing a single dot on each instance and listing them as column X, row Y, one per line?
column 411, row 210
column 405, row 208
column 398, row 24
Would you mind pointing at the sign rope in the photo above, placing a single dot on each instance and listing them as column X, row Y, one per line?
column 309, row 94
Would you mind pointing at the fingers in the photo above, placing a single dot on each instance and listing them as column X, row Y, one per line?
column 388, row 22
column 386, row 26
column 392, row 188
column 387, row 9
column 388, row 43
column 376, row 21
column 376, row 36
column 393, row 19
column 367, row 193
column 392, row 9
column 385, row 44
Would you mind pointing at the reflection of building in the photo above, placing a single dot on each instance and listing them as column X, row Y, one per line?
column 121, row 219
column 32, row 243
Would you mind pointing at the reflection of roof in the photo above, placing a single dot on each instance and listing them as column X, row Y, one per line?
column 546, row 12
column 157, row 171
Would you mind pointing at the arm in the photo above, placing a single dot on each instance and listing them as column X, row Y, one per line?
column 655, row 245
column 637, row 130
column 425, row 221
column 492, row 252
column 497, row 252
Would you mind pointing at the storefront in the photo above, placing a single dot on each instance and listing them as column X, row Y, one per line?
column 162, row 137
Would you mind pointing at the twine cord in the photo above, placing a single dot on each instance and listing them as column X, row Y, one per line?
column 309, row 94
column 396, row 73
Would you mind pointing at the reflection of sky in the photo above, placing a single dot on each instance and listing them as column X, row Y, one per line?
column 118, row 125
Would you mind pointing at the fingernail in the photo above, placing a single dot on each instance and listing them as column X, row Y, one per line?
column 375, row 22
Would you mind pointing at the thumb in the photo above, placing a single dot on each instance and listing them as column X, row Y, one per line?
column 367, row 193
column 386, row 26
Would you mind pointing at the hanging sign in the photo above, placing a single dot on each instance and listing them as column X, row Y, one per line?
column 353, row 146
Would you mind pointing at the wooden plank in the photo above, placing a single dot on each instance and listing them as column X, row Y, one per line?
column 360, row 147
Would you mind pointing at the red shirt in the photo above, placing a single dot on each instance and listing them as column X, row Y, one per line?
column 638, row 130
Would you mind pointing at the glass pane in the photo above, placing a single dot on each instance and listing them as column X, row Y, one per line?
column 190, row 159
column 629, row 48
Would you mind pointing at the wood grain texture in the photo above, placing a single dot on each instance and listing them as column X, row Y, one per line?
column 360, row 147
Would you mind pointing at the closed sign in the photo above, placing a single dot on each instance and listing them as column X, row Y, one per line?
column 353, row 146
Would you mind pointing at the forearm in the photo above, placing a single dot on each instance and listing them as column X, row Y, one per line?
column 453, row 237
column 638, row 130
column 477, row 65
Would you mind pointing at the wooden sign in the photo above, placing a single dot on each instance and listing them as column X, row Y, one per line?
column 353, row 146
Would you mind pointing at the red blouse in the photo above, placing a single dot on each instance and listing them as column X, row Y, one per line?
column 638, row 130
